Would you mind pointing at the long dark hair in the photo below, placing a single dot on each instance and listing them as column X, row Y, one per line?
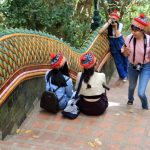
column 64, row 69
column 110, row 29
column 57, row 77
column 87, row 73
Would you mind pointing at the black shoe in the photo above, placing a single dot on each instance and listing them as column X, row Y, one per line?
column 130, row 102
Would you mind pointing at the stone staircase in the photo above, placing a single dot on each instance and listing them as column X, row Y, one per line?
column 120, row 128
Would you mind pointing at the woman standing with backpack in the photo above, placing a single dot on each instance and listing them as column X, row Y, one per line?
column 137, row 49
column 58, row 79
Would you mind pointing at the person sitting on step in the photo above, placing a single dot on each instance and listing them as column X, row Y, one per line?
column 93, row 99
column 59, row 76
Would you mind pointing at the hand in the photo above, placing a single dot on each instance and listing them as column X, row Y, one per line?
column 114, row 25
column 126, row 51
column 110, row 21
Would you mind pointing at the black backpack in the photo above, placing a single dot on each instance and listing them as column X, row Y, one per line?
column 49, row 102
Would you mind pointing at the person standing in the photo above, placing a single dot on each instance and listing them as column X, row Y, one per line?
column 58, row 78
column 137, row 48
column 116, row 42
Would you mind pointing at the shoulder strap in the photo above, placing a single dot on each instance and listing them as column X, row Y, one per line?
column 50, row 86
column 79, row 86
column 57, row 87
column 145, row 45
column 67, row 79
column 130, row 39
column 134, row 44
column 66, row 82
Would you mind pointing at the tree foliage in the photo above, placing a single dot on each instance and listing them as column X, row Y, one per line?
column 67, row 19
column 128, row 10
column 133, row 10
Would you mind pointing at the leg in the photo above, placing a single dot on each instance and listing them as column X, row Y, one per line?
column 115, row 47
column 144, row 77
column 119, row 64
column 133, row 76
column 63, row 102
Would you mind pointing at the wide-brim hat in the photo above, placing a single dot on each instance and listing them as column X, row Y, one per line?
column 140, row 22
column 57, row 60
column 87, row 60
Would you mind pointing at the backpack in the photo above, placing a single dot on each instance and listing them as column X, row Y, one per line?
column 72, row 110
column 49, row 100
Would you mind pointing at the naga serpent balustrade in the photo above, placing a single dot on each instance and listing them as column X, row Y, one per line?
column 25, row 54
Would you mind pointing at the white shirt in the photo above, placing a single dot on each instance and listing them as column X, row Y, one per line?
column 119, row 29
column 96, row 81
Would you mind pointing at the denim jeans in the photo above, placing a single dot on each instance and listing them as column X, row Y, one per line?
column 144, row 77
column 121, row 64
column 63, row 102
column 120, row 60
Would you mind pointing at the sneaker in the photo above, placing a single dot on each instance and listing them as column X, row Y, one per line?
column 130, row 102
column 124, row 79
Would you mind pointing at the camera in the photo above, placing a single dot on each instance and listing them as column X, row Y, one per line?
column 138, row 67
column 113, row 21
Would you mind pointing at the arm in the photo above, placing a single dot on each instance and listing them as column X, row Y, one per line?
column 125, row 49
column 69, row 88
column 118, row 31
column 104, row 81
column 109, row 21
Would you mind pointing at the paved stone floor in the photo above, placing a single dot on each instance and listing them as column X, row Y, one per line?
column 122, row 127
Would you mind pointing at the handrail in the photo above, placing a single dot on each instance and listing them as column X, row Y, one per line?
column 25, row 54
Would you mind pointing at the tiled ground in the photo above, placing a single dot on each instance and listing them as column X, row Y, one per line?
column 120, row 128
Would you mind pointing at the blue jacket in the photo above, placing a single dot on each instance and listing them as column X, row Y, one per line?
column 66, row 92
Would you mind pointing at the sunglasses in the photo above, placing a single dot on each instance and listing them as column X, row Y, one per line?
column 135, row 28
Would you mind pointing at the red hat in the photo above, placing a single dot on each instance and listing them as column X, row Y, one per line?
column 141, row 21
column 57, row 60
column 115, row 15
column 87, row 60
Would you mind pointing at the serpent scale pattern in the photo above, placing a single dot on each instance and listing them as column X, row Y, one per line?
column 19, row 48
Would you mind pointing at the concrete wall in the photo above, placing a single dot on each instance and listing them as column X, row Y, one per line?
column 22, row 101
column 108, row 69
